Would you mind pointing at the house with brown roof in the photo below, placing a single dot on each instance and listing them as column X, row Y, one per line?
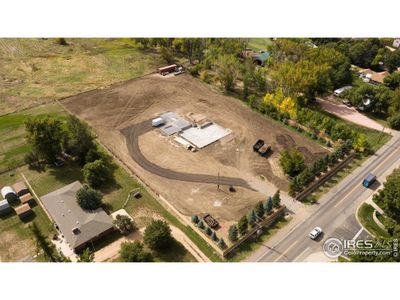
column 27, row 199
column 367, row 75
column 78, row 226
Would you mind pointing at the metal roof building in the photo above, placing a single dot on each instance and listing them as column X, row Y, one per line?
column 77, row 225
column 4, row 206
column 8, row 193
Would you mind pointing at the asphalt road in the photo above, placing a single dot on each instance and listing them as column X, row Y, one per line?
column 132, row 134
column 336, row 212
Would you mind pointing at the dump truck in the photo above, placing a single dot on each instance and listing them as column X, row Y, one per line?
column 258, row 145
column 166, row 70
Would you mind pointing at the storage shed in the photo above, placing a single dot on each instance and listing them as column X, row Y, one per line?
column 20, row 188
column 8, row 193
column 4, row 207
column 27, row 199
column 23, row 211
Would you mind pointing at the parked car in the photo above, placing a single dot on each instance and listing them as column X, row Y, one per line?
column 315, row 233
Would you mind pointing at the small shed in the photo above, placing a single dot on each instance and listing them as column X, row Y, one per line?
column 27, row 199
column 4, row 207
column 8, row 193
column 23, row 211
column 20, row 188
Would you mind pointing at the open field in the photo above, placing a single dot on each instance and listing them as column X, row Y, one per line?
column 13, row 146
column 34, row 71
column 124, row 105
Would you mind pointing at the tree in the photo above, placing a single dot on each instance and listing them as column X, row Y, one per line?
column 276, row 199
column 259, row 209
column 361, row 144
column 252, row 218
column 88, row 198
column 157, row 235
column 392, row 60
column 195, row 219
column 167, row 54
column 268, row 205
column 292, row 161
column 46, row 136
column 243, row 225
column 389, row 196
column 214, row 236
column 221, row 243
column 233, row 233
column 200, row 224
column 208, row 230
column 227, row 71
column 124, row 224
column 86, row 256
column 61, row 41
column 134, row 252
column 394, row 121
column 97, row 173
column 44, row 245
column 392, row 81
column 80, row 139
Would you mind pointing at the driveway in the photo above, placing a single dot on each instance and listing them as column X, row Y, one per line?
column 349, row 113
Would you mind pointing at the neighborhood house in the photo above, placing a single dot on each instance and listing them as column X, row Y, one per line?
column 78, row 226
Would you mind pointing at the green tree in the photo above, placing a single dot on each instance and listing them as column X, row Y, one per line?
column 268, row 205
column 167, row 54
column 252, row 218
column 88, row 198
column 157, row 235
column 259, row 209
column 80, row 139
column 44, row 245
column 233, row 233
column 195, row 219
column 124, row 224
column 392, row 60
column 389, row 196
column 221, row 243
column 392, row 81
column 276, row 199
column 97, row 173
column 394, row 121
column 200, row 224
column 214, row 236
column 46, row 136
column 208, row 230
column 227, row 71
column 243, row 225
column 134, row 252
column 292, row 161
column 86, row 256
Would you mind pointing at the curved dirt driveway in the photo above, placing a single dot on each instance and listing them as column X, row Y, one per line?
column 132, row 134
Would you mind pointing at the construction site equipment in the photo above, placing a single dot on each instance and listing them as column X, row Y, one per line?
column 264, row 150
column 211, row 222
column 258, row 145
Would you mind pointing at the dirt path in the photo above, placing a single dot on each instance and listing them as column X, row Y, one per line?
column 189, row 245
column 349, row 114
column 132, row 134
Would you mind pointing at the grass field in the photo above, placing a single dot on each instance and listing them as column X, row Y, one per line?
column 259, row 43
column 13, row 146
column 365, row 215
column 250, row 247
column 34, row 71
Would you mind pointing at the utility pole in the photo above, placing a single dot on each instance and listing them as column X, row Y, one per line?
column 218, row 182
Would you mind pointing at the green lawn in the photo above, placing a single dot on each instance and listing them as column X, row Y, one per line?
column 259, row 43
column 12, row 134
column 365, row 215
column 250, row 247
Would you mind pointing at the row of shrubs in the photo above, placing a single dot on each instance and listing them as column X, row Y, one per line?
column 308, row 175
column 208, row 231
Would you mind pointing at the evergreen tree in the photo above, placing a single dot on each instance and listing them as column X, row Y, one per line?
column 243, row 225
column 276, row 199
column 252, row 218
column 259, row 209
column 208, row 230
column 200, row 224
column 221, row 243
column 268, row 205
column 195, row 219
column 214, row 236
column 233, row 233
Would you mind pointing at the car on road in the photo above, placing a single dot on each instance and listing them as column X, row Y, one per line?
column 315, row 233
column 369, row 180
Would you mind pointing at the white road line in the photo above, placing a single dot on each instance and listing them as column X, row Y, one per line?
column 286, row 251
column 357, row 234
column 308, row 248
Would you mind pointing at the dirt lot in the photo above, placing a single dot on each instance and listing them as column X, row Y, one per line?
column 123, row 105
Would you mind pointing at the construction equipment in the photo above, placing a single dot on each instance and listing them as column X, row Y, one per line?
column 258, row 145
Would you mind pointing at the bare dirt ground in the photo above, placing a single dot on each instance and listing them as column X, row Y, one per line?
column 349, row 113
column 116, row 108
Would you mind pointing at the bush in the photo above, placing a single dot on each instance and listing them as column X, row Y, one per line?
column 394, row 121
column 134, row 252
column 124, row 224
column 157, row 235
column 89, row 198
column 195, row 70
column 205, row 76
column 292, row 161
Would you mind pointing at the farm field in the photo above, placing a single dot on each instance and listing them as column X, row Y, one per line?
column 111, row 110
column 37, row 71
column 12, row 134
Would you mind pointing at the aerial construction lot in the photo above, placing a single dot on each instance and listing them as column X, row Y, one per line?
column 121, row 116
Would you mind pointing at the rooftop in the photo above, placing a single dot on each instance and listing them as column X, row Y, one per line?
column 374, row 76
column 77, row 225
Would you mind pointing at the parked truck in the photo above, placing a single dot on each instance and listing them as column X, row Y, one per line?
column 264, row 150
column 258, row 145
